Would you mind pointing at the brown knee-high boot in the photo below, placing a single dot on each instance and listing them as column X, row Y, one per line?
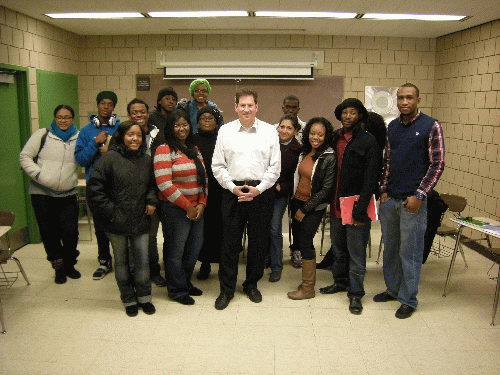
column 306, row 289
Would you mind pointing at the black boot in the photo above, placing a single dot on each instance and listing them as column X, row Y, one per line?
column 326, row 262
column 58, row 266
column 204, row 272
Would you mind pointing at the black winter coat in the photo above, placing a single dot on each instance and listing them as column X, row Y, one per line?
column 360, row 171
column 120, row 187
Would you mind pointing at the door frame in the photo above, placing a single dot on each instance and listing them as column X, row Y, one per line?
column 25, row 130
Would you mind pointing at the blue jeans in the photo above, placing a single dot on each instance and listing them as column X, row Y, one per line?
column 276, row 237
column 403, row 235
column 185, row 241
column 140, row 289
column 349, row 249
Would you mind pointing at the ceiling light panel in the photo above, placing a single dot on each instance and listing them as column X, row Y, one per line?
column 304, row 14
column 95, row 15
column 421, row 17
column 200, row 14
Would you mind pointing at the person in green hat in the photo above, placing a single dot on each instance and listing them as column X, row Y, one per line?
column 200, row 90
column 92, row 142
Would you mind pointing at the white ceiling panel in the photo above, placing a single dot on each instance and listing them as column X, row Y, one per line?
column 480, row 12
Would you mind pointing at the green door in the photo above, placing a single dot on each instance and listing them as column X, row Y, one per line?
column 12, row 189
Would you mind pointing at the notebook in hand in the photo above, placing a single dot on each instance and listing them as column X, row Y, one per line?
column 347, row 204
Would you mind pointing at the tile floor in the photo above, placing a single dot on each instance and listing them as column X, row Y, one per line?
column 81, row 327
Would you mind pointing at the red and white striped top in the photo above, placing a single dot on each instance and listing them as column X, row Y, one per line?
column 176, row 178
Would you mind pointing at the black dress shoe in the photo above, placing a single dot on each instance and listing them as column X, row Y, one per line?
column 185, row 300
column 335, row 288
column 355, row 306
column 159, row 280
column 194, row 291
column 222, row 301
column 384, row 297
column 274, row 276
column 254, row 294
column 404, row 312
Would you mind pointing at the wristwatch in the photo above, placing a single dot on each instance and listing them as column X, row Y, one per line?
column 420, row 196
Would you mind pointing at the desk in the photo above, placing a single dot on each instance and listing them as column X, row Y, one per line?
column 3, row 230
column 485, row 229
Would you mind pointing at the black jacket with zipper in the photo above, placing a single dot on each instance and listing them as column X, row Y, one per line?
column 120, row 187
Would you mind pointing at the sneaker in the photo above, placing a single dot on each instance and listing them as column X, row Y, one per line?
column 159, row 280
column 101, row 272
column 60, row 276
column 147, row 308
column 132, row 310
column 297, row 259
column 72, row 273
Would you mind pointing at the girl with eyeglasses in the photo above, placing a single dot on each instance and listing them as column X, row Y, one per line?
column 183, row 187
column 48, row 159
column 200, row 90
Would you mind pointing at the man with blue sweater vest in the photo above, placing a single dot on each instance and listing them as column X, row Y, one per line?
column 413, row 164
column 92, row 142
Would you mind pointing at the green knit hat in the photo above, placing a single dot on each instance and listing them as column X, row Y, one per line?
column 107, row 95
column 199, row 81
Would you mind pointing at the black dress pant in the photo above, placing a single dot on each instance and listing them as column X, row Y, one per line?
column 57, row 219
column 104, row 252
column 257, row 215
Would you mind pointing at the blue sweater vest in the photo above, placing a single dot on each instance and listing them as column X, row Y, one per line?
column 409, row 155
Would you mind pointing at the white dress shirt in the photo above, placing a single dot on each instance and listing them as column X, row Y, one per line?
column 247, row 154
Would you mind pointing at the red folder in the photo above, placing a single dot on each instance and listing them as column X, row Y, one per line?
column 347, row 204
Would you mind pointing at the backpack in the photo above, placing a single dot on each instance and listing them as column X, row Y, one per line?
column 42, row 143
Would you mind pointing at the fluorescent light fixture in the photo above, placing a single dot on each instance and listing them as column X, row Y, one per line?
column 303, row 14
column 421, row 17
column 200, row 14
column 95, row 15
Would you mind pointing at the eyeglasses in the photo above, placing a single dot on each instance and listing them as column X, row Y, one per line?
column 200, row 91
column 207, row 119
column 66, row 118
column 181, row 126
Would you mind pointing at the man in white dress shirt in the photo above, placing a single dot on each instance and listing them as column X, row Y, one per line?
column 247, row 163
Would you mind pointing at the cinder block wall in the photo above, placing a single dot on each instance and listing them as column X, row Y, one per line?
column 113, row 61
column 467, row 102
column 33, row 44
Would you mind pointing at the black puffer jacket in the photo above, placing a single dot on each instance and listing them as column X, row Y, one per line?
column 120, row 187
column 322, row 180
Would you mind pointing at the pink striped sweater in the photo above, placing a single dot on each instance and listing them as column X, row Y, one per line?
column 176, row 178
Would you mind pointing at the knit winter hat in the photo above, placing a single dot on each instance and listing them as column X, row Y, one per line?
column 209, row 109
column 107, row 95
column 351, row 103
column 167, row 91
column 199, row 81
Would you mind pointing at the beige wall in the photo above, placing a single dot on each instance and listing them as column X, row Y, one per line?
column 467, row 102
column 458, row 74
column 27, row 42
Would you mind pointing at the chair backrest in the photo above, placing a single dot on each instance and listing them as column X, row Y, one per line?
column 6, row 218
column 455, row 203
